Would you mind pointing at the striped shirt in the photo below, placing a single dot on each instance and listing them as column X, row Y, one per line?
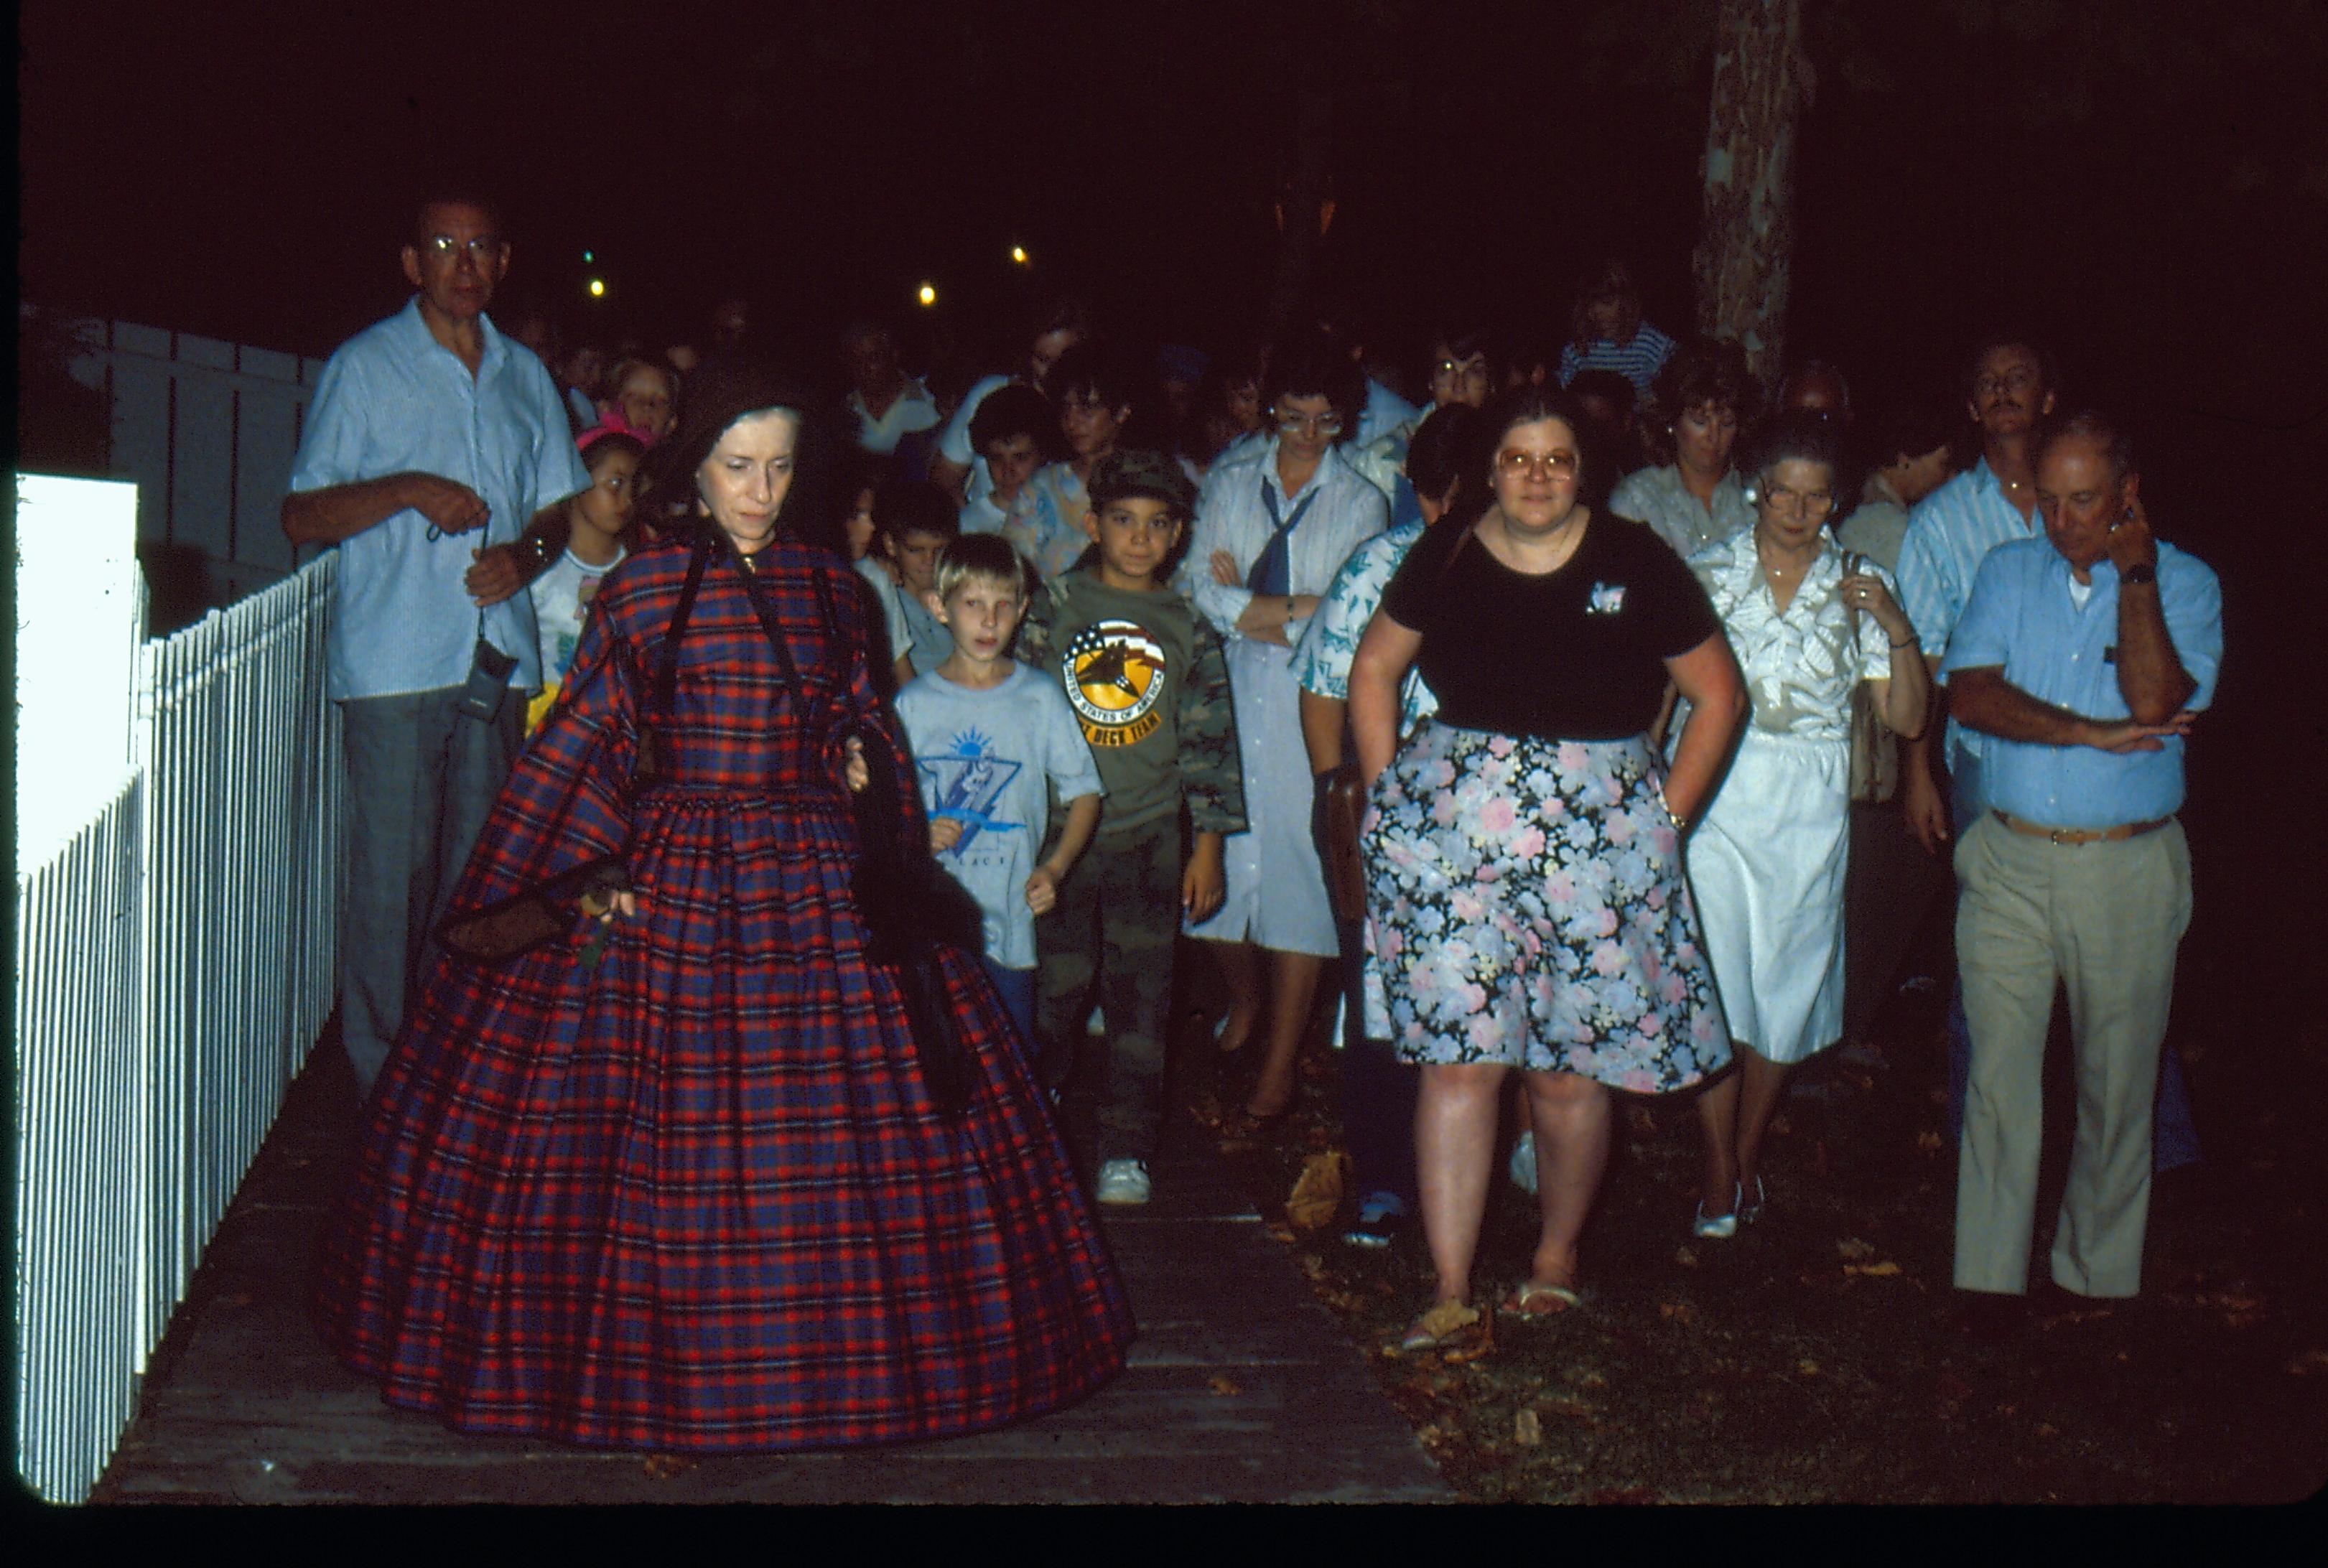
column 1949, row 532
column 1639, row 360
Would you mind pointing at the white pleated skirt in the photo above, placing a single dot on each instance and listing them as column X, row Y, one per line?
column 1766, row 867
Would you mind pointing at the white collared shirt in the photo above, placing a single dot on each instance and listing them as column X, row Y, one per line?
column 1230, row 516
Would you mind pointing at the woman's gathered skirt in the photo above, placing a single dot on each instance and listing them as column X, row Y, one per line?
column 1529, row 908
column 692, row 1196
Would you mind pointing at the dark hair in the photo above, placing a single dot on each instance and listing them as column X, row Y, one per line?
column 1012, row 409
column 1613, row 385
column 1091, row 368
column 1461, row 340
column 612, row 442
column 2091, row 425
column 903, row 506
column 1795, row 434
column 1810, row 368
column 720, row 395
column 1910, row 430
column 450, row 194
column 1066, row 313
column 1609, row 276
column 1315, row 366
column 1440, row 456
column 1706, row 370
column 1529, row 404
column 2047, row 368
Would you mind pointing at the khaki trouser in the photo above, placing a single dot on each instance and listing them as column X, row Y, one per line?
column 2104, row 920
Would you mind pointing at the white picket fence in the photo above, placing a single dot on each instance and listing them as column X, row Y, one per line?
column 174, row 965
column 209, row 430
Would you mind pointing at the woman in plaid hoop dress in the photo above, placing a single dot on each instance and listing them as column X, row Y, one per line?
column 695, row 1197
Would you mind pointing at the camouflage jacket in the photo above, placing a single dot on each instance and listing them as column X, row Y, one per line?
column 1148, row 681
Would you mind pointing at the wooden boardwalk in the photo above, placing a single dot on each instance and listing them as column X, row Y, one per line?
column 1240, row 1386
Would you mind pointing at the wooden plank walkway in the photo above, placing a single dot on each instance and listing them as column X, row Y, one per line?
column 1241, row 1387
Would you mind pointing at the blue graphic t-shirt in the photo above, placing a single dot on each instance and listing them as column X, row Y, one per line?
column 983, row 758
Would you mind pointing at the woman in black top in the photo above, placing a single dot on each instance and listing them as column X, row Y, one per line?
column 1523, row 854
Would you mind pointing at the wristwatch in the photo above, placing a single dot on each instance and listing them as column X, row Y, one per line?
column 2140, row 572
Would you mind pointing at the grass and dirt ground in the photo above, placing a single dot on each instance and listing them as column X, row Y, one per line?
column 1820, row 1356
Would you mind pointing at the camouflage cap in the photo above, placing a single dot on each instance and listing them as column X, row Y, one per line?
column 1137, row 471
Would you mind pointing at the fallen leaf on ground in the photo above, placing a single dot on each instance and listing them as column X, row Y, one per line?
column 1318, row 1194
column 1684, row 1257
column 1781, row 1126
column 1882, row 1271
column 1527, row 1429
column 1807, row 1367
column 1675, row 1311
column 1278, row 1232
column 1854, row 1250
column 1639, row 1115
column 1591, row 1380
column 1447, row 1317
column 1930, row 1142
column 662, row 1467
column 1222, row 1384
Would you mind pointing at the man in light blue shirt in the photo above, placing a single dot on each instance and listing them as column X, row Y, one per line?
column 2081, row 658
column 431, row 444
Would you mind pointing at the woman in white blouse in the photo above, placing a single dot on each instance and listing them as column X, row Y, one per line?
column 1808, row 623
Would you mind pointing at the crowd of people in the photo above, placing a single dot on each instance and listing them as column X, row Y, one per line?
column 1576, row 717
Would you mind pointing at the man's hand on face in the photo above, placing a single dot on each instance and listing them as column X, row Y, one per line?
column 2130, row 542
column 448, row 503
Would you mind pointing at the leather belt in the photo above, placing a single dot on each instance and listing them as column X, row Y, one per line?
column 2123, row 831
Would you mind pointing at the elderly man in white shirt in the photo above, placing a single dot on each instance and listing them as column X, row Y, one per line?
column 1273, row 528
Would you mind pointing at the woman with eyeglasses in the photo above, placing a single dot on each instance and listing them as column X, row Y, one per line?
column 1808, row 623
column 1523, row 846
column 1273, row 528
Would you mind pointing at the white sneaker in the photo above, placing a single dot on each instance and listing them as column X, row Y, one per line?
column 1124, row 1181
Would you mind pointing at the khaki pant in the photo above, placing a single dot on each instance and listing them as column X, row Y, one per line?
column 2104, row 920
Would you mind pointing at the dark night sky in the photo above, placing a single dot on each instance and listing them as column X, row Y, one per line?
column 2145, row 184
column 2156, row 199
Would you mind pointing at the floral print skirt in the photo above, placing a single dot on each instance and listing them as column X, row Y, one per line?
column 1529, row 908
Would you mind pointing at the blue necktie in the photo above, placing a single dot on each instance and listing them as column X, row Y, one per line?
column 1272, row 573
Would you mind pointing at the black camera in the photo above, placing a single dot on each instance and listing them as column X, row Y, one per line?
column 488, row 684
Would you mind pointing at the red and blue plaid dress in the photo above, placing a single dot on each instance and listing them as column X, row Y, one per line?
column 696, row 1199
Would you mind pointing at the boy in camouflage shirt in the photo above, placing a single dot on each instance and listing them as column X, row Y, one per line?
column 1149, row 681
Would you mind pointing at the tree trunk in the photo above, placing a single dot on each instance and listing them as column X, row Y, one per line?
column 1762, row 81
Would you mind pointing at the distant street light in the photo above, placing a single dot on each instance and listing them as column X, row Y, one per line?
column 588, row 257
column 598, row 288
column 1018, row 254
column 928, row 294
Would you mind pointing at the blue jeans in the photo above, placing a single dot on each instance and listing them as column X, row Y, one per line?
column 2174, row 1135
column 1016, row 987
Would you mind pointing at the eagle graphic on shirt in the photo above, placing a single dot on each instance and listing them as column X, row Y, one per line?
column 1114, row 674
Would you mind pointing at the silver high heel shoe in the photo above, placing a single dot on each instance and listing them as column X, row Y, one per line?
column 1720, row 1226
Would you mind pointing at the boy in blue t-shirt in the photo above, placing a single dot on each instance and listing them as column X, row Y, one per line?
column 987, row 734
